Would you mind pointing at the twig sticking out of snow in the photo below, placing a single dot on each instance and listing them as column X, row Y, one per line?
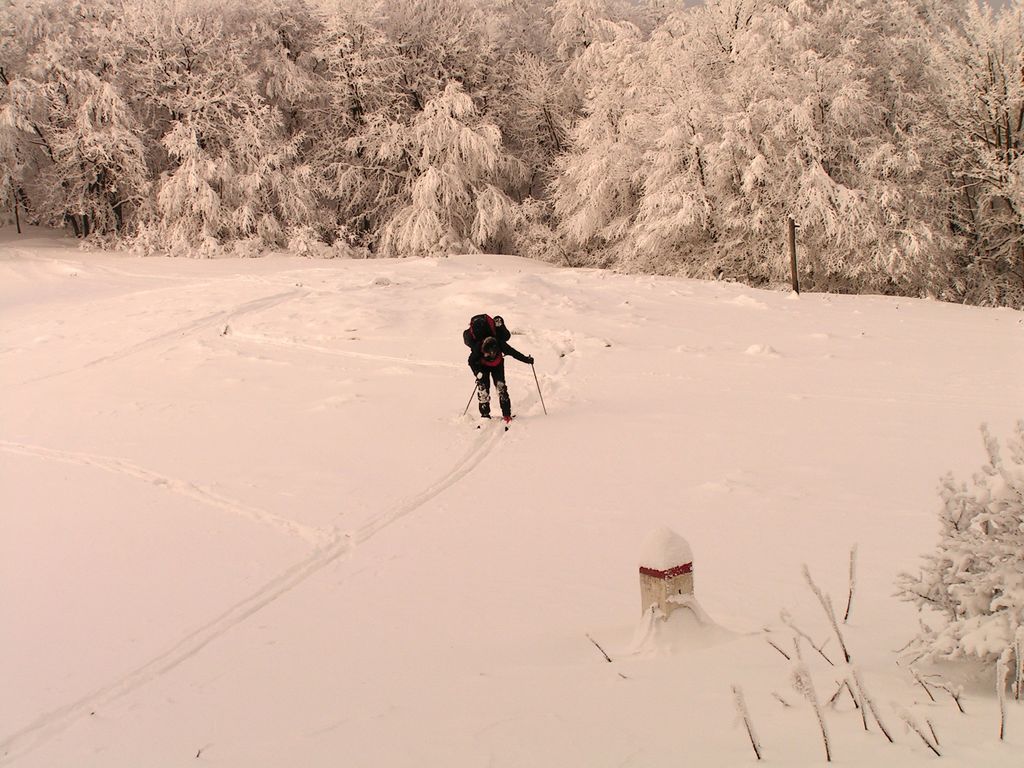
column 835, row 696
column 843, row 684
column 826, row 604
column 853, row 582
column 909, row 643
column 942, row 685
column 778, row 697
column 773, row 645
column 788, row 621
column 913, row 725
column 917, row 679
column 805, row 686
column 956, row 693
column 741, row 707
column 869, row 704
column 858, row 698
column 606, row 656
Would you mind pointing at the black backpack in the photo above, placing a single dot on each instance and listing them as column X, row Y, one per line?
column 482, row 326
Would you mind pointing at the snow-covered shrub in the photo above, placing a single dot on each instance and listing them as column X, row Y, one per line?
column 306, row 241
column 535, row 238
column 973, row 584
column 250, row 247
column 453, row 200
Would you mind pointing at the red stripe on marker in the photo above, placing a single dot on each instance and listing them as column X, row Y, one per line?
column 670, row 573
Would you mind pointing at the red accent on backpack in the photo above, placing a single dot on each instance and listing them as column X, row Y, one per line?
column 475, row 319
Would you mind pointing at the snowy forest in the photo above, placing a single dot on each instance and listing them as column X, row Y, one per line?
column 648, row 137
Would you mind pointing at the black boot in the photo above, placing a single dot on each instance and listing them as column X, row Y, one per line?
column 504, row 401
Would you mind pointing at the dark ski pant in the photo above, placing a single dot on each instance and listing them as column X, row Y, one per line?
column 483, row 389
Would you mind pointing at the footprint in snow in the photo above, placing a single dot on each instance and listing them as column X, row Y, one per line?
column 747, row 301
column 762, row 350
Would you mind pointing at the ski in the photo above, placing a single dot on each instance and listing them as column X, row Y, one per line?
column 500, row 419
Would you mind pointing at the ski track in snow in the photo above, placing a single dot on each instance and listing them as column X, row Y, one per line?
column 50, row 724
column 104, row 269
column 294, row 344
column 180, row 487
column 213, row 319
column 56, row 721
column 477, row 452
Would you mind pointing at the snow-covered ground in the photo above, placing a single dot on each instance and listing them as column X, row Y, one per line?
column 245, row 524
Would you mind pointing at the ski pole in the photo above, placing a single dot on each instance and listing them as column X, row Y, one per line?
column 470, row 399
column 538, row 389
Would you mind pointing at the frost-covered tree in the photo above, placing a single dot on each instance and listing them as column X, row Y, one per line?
column 169, row 54
column 454, row 197
column 225, row 90
column 386, row 62
column 578, row 25
column 753, row 111
column 534, row 103
column 983, row 96
column 536, row 117
column 518, row 26
column 675, row 230
column 22, row 147
column 16, row 146
column 972, row 587
column 596, row 190
column 250, row 193
column 807, row 131
column 70, row 133
column 439, row 41
column 900, row 159
column 351, row 122
column 99, row 174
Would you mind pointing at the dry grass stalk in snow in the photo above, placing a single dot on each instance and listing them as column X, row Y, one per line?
column 955, row 692
column 741, row 707
column 805, row 687
column 799, row 633
column 843, row 685
column 598, row 646
column 785, row 655
column 826, row 604
column 858, row 697
column 853, row 582
column 869, row 704
column 913, row 725
column 917, row 679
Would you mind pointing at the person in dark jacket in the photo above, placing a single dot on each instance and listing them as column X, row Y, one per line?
column 487, row 361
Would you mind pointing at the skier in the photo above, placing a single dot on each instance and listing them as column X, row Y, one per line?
column 487, row 338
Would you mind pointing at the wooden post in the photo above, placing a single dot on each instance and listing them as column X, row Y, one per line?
column 17, row 219
column 792, row 255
